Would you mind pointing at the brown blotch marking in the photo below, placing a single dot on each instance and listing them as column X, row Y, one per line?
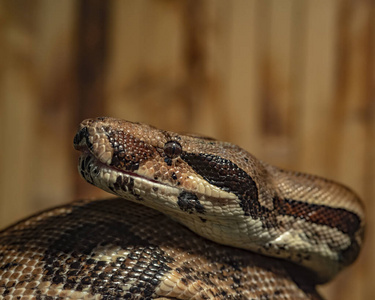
column 229, row 177
column 189, row 202
column 342, row 219
column 129, row 152
column 8, row 266
column 80, row 135
column 82, row 271
column 124, row 183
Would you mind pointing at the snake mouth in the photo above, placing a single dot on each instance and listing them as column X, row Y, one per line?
column 125, row 184
column 90, row 168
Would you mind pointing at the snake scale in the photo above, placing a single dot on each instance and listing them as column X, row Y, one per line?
column 195, row 218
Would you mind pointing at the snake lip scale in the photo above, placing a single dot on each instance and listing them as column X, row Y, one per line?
column 89, row 162
column 224, row 194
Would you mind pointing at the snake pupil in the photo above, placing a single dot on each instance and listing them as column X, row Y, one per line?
column 172, row 149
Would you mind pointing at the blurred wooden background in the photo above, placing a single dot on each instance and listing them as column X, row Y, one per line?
column 292, row 81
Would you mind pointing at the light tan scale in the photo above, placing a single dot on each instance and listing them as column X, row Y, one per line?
column 256, row 231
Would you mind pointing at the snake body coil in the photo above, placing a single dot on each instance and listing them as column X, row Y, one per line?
column 304, row 228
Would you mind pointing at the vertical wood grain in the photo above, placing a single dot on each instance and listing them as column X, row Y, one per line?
column 89, row 74
column 17, row 94
column 367, row 270
column 350, row 123
column 276, row 82
column 146, row 72
column 318, row 85
column 35, row 126
column 53, row 64
column 240, row 91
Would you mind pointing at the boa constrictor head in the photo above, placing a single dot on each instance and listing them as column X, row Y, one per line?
column 225, row 194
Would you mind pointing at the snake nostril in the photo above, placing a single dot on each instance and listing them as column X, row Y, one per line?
column 80, row 135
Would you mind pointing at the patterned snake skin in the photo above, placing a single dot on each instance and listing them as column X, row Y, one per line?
column 281, row 233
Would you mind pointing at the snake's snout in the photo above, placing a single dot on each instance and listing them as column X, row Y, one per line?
column 93, row 137
column 88, row 129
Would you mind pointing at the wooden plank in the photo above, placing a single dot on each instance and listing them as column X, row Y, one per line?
column 35, row 112
column 276, row 82
column 357, row 136
column 300, row 13
column 208, row 79
column 91, row 53
column 146, row 70
column 367, row 271
column 239, row 123
column 318, row 85
column 54, row 123
column 349, row 126
column 17, row 115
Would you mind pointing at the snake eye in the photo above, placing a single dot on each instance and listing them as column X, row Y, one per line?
column 172, row 149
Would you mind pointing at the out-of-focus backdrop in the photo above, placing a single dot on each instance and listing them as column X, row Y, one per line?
column 292, row 81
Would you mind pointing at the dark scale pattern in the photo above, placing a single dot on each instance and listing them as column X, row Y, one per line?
column 88, row 169
column 93, row 247
column 124, row 183
column 129, row 152
column 189, row 202
column 75, row 264
column 229, row 177
column 339, row 218
column 82, row 134
column 350, row 254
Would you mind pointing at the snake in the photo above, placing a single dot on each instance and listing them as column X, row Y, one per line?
column 193, row 218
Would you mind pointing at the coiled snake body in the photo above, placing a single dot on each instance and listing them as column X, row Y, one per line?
column 280, row 232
